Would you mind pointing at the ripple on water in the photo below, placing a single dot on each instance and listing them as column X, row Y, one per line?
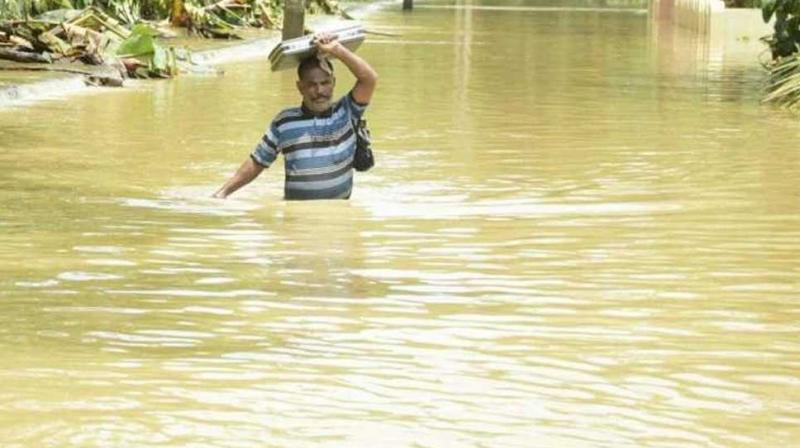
column 82, row 276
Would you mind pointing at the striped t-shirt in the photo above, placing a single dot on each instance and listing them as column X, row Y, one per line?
column 317, row 149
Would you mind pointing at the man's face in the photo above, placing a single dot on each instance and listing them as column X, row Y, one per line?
column 316, row 86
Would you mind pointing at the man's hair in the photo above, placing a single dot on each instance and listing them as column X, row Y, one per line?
column 313, row 62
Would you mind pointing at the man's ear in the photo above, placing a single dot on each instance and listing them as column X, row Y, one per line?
column 299, row 86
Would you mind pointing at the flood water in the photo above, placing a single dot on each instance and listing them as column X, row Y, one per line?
column 583, row 230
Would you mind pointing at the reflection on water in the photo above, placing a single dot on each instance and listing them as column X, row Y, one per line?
column 579, row 232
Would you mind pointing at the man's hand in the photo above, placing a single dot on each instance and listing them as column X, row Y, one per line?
column 244, row 175
column 326, row 44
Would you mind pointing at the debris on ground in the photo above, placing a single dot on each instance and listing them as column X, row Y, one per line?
column 92, row 37
column 123, row 41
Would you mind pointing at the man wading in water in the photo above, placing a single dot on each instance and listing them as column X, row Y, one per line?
column 317, row 139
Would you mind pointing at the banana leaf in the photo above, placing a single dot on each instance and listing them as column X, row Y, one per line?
column 157, row 62
column 95, row 19
column 141, row 42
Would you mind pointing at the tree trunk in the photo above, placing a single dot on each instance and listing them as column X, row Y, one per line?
column 293, row 17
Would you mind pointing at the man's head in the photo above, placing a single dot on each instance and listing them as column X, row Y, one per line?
column 316, row 82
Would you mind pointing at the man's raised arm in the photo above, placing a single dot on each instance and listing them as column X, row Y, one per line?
column 366, row 76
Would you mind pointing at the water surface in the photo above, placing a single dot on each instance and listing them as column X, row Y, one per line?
column 582, row 231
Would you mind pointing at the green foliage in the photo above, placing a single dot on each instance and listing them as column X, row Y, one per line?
column 237, row 12
column 19, row 9
column 783, row 84
column 13, row 9
column 208, row 21
column 150, row 9
column 156, row 61
column 128, row 11
column 140, row 42
column 40, row 6
column 785, row 39
column 58, row 15
column 90, row 30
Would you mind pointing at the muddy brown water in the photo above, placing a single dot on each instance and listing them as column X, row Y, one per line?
column 582, row 231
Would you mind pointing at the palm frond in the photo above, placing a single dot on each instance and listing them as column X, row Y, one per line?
column 783, row 83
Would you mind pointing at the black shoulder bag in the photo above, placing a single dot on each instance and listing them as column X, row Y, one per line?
column 363, row 160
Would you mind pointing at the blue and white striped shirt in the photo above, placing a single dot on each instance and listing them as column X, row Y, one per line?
column 317, row 149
